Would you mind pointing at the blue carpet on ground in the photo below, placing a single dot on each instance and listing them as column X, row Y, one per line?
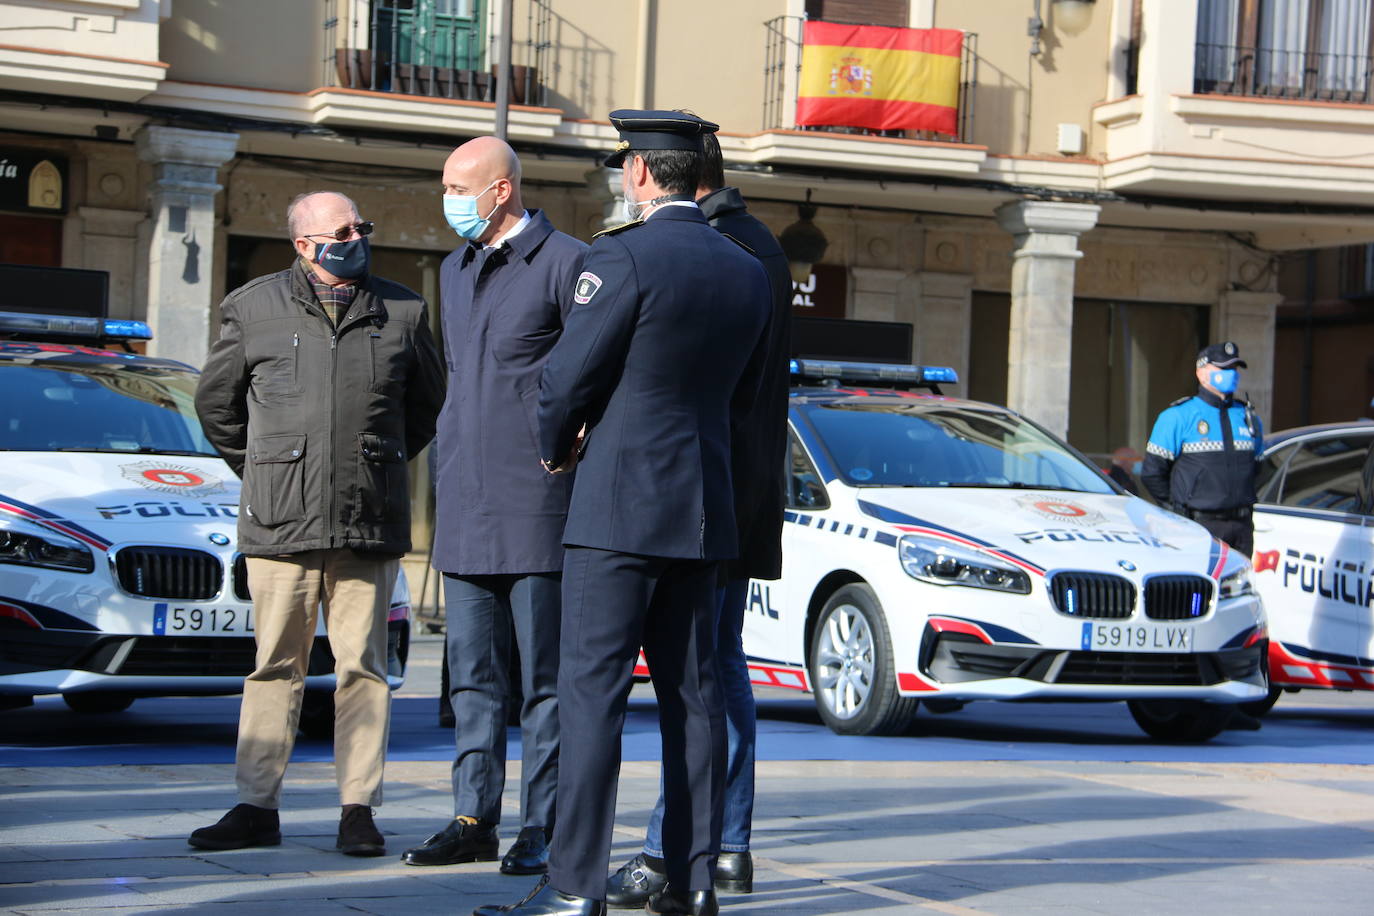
column 202, row 730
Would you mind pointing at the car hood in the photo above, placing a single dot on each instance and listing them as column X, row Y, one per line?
column 104, row 498
column 1050, row 529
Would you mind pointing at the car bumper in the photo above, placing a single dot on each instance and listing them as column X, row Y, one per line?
column 51, row 661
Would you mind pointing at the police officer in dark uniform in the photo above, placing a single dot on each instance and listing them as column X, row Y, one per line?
column 662, row 349
column 1200, row 460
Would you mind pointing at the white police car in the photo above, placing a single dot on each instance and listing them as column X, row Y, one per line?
column 1314, row 557
column 118, row 573
column 940, row 551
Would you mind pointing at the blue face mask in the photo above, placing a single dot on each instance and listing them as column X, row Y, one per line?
column 461, row 213
column 1225, row 380
column 345, row 260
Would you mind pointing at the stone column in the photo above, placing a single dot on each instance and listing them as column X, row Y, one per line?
column 606, row 186
column 1248, row 319
column 1038, row 355
column 179, row 238
column 943, row 326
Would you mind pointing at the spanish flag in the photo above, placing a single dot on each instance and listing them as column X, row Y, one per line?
column 880, row 78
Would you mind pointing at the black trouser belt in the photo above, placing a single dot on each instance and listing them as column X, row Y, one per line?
column 1217, row 515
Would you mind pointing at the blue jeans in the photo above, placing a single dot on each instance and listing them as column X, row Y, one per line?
column 738, row 694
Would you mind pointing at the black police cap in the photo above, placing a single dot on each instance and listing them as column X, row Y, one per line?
column 646, row 130
column 1223, row 356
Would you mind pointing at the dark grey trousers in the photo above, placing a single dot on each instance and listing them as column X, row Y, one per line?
column 612, row 604
column 482, row 614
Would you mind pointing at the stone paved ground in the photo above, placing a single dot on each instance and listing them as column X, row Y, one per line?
column 831, row 837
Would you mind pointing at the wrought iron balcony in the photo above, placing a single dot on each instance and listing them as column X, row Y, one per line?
column 782, row 59
column 435, row 48
column 1282, row 74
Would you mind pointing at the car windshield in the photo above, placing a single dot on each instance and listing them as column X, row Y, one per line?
column 99, row 407
column 935, row 444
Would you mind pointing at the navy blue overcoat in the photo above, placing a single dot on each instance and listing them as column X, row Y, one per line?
column 498, row 511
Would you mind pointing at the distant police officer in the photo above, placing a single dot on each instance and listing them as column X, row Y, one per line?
column 662, row 350
column 1200, row 460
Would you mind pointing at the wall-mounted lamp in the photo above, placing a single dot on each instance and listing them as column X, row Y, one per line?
column 803, row 242
column 1071, row 16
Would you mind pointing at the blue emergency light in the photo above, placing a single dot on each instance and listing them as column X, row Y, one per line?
column 875, row 374
column 44, row 326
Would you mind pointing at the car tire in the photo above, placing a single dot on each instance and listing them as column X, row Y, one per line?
column 1258, row 708
column 95, row 703
column 1180, row 721
column 317, row 715
column 853, row 675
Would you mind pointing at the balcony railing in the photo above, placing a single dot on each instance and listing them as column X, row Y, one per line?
column 782, row 52
column 1280, row 74
column 427, row 48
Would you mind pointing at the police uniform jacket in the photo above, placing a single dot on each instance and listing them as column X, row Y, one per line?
column 663, row 343
column 498, row 511
column 760, row 442
column 319, row 420
column 1201, row 454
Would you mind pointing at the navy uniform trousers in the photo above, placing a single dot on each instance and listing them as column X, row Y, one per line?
column 613, row 602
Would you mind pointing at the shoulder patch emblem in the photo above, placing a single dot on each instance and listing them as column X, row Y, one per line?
column 1202, row 427
column 621, row 228
column 586, row 287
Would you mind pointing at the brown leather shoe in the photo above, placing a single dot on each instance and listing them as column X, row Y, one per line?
column 358, row 836
column 243, row 826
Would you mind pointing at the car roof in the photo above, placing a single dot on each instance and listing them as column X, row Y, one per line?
column 1275, row 439
column 74, row 354
column 850, row 394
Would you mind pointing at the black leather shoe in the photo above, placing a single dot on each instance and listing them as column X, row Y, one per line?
column 735, row 873
column 684, row 903
column 358, row 835
column 528, row 855
column 457, row 842
column 545, row 901
column 243, row 826
column 633, row 884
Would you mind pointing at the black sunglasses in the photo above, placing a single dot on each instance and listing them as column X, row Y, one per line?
column 343, row 232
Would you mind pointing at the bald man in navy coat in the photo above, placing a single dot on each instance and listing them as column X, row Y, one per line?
column 663, row 349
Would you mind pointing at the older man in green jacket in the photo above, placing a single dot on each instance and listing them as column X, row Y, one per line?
column 324, row 382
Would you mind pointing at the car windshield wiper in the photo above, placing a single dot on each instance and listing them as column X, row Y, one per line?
column 141, row 450
column 1018, row 485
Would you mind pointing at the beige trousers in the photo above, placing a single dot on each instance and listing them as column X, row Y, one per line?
column 354, row 590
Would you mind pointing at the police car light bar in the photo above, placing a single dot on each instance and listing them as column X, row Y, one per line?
column 67, row 326
column 879, row 374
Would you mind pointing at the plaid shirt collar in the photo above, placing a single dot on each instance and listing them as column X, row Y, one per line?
column 335, row 300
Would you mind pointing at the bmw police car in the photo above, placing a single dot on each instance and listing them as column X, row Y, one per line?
column 118, row 573
column 1314, row 557
column 939, row 551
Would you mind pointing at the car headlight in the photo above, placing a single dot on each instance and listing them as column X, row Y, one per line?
column 1236, row 584
column 941, row 563
column 29, row 545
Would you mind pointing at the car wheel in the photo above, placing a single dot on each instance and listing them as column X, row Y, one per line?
column 97, row 702
column 851, row 667
column 1180, row 721
column 317, row 715
column 1258, row 708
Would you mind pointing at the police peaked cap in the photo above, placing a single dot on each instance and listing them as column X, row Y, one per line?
column 647, row 130
column 1223, row 356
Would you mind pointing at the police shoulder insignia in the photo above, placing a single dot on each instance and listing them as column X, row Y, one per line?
column 1183, row 400
column 586, row 287
column 621, row 228
column 1202, row 427
column 739, row 243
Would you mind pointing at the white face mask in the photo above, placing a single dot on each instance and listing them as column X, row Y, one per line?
column 630, row 207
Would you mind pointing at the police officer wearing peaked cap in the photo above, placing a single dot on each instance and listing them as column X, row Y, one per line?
column 662, row 350
column 1200, row 460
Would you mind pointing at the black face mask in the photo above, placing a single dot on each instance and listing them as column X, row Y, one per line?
column 345, row 260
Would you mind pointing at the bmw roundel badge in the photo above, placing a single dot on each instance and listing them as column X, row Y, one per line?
column 1126, row 565
column 219, row 540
